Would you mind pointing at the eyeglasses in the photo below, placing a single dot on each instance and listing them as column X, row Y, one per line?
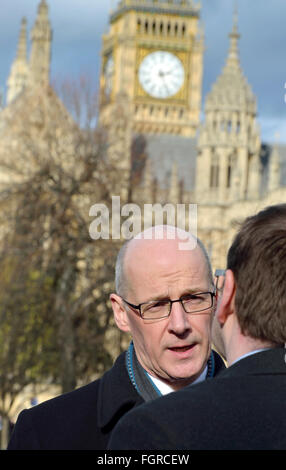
column 157, row 309
column 219, row 275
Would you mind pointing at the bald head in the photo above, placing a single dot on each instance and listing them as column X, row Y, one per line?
column 159, row 245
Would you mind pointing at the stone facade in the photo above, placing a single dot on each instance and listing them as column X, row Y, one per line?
column 224, row 168
column 163, row 152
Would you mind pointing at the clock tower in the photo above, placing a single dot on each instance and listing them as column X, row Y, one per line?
column 153, row 57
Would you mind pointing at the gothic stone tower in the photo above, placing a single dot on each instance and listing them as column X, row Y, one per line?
column 152, row 55
column 228, row 163
column 41, row 36
column 35, row 71
column 233, row 178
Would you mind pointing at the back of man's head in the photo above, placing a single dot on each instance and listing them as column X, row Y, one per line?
column 257, row 258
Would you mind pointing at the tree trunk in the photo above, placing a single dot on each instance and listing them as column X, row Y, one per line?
column 5, row 432
column 66, row 331
column 66, row 334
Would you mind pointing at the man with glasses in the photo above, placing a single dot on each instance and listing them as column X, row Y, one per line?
column 165, row 298
column 244, row 407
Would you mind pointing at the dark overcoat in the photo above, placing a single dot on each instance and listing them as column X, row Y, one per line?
column 243, row 408
column 82, row 419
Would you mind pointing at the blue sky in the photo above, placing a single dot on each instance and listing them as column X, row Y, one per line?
column 78, row 26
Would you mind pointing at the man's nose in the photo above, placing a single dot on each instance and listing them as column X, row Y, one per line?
column 178, row 319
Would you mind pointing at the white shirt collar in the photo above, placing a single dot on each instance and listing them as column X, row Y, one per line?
column 165, row 389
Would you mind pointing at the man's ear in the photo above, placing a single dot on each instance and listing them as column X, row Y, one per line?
column 216, row 337
column 120, row 315
column 226, row 301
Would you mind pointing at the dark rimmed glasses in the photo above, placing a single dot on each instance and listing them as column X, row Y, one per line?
column 191, row 303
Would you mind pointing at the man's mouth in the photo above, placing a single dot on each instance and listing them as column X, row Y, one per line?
column 182, row 348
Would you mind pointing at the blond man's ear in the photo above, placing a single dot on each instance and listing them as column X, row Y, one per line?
column 119, row 312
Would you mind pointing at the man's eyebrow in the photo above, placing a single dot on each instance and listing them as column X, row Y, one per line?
column 195, row 290
column 192, row 290
column 158, row 297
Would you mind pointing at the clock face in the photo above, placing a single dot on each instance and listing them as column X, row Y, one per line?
column 108, row 74
column 161, row 74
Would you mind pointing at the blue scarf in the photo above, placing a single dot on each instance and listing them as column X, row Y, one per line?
column 141, row 380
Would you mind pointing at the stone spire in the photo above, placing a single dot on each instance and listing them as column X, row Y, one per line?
column 18, row 77
column 230, row 128
column 231, row 90
column 41, row 37
column 233, row 56
column 22, row 44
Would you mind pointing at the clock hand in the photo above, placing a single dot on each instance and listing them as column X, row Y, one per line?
column 165, row 85
column 163, row 74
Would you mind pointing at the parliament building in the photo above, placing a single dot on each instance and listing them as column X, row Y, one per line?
column 152, row 66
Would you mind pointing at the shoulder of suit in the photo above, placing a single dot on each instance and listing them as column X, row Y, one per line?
column 83, row 394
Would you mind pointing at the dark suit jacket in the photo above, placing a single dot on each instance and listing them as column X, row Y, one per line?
column 244, row 407
column 82, row 419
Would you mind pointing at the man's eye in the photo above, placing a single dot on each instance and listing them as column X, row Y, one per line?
column 156, row 305
column 193, row 298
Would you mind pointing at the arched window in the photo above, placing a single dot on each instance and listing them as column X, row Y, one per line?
column 146, row 26
column 231, row 164
column 139, row 25
column 214, row 175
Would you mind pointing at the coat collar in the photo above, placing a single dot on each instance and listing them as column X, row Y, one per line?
column 116, row 394
column 270, row 361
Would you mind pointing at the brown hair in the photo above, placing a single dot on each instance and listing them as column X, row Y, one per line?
column 257, row 258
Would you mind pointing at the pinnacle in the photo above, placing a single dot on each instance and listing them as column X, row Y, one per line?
column 43, row 9
column 22, row 44
column 231, row 88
